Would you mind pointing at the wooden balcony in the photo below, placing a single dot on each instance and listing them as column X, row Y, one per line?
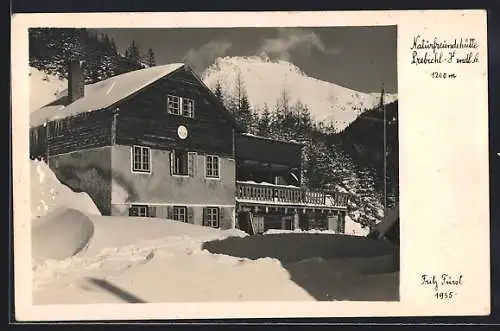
column 291, row 196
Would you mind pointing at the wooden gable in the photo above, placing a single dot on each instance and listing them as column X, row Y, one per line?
column 143, row 118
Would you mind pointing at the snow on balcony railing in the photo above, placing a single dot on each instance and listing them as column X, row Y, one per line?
column 288, row 194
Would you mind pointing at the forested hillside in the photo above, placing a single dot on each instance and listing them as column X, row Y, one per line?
column 364, row 141
column 51, row 48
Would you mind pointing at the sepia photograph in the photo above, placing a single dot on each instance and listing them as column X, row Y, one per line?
column 175, row 166
column 214, row 164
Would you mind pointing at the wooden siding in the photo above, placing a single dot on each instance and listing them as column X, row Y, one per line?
column 84, row 131
column 268, row 151
column 143, row 119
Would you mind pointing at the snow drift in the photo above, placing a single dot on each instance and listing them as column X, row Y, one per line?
column 264, row 81
column 66, row 232
column 60, row 234
column 355, row 228
column 49, row 194
column 132, row 259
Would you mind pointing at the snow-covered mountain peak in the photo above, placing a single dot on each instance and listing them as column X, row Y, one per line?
column 264, row 81
column 252, row 64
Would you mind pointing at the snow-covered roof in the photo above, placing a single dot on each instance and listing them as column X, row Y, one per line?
column 104, row 93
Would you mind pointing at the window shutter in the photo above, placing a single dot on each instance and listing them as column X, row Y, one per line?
column 170, row 212
column 220, row 216
column 190, row 214
column 192, row 164
column 205, row 217
column 151, row 211
column 171, row 157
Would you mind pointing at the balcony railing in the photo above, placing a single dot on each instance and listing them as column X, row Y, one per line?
column 289, row 195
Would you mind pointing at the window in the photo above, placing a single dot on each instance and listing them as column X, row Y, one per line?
column 180, row 106
column 174, row 104
column 58, row 128
column 139, row 211
column 212, row 217
column 141, row 159
column 50, row 130
column 212, row 166
column 187, row 107
column 182, row 163
column 180, row 214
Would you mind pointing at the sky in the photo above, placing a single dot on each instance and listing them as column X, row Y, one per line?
column 360, row 58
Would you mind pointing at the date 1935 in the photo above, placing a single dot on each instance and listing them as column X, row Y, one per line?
column 443, row 75
column 444, row 295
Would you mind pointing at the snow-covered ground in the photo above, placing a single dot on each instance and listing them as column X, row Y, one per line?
column 354, row 228
column 264, row 81
column 81, row 257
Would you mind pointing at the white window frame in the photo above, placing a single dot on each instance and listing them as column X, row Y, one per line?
column 210, row 213
column 175, row 215
column 211, row 176
column 179, row 111
column 191, row 110
column 145, row 209
column 132, row 160
column 179, row 103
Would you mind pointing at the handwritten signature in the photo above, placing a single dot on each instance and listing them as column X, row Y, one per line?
column 442, row 280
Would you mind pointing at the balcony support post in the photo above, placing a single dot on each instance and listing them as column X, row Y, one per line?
column 296, row 224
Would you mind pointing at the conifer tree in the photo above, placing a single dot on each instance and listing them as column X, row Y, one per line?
column 218, row 92
column 245, row 113
column 150, row 58
column 264, row 122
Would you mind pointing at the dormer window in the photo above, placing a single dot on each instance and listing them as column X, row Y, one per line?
column 180, row 106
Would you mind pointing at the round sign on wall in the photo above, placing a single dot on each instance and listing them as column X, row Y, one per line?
column 182, row 132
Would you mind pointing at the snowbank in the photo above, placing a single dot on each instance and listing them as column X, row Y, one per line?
column 60, row 234
column 133, row 259
column 48, row 193
column 354, row 228
column 66, row 232
column 133, row 230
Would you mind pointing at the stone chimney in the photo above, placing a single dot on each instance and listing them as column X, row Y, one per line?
column 75, row 80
